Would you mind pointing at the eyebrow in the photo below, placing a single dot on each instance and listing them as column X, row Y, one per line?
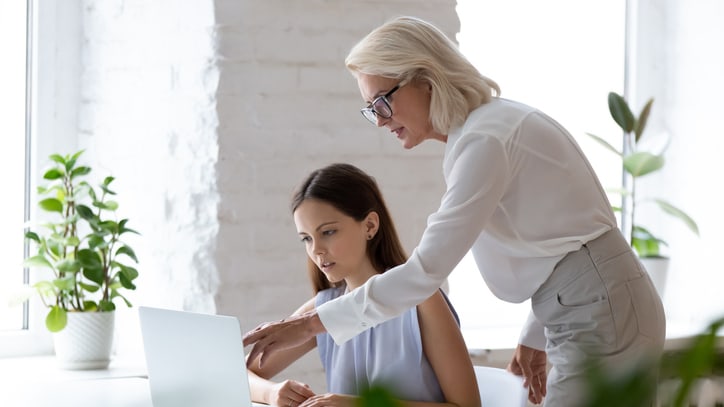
column 378, row 94
column 320, row 226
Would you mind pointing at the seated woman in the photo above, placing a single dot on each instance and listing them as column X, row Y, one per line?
column 419, row 356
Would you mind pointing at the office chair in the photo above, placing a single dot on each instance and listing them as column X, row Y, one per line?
column 500, row 388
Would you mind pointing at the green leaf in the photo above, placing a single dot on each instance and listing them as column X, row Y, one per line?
column 68, row 266
column 104, row 186
column 94, row 274
column 45, row 288
column 72, row 241
column 125, row 280
column 89, row 259
column 377, row 396
column 51, row 205
column 642, row 163
column 37, row 261
column 679, row 214
column 620, row 112
column 75, row 156
column 645, row 243
column 115, row 294
column 92, row 265
column 58, row 159
column 53, row 174
column 605, row 144
column 85, row 212
column 91, row 288
column 123, row 229
column 32, row 236
column 643, row 118
column 65, row 283
column 90, row 306
column 97, row 242
column 80, row 171
column 128, row 252
column 106, row 306
column 56, row 319
column 109, row 226
column 107, row 205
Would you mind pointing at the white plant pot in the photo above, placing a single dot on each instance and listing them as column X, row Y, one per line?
column 658, row 269
column 86, row 342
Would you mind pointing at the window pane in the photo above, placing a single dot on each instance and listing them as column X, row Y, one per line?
column 563, row 57
column 12, row 164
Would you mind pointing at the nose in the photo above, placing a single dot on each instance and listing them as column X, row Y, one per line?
column 381, row 121
column 317, row 247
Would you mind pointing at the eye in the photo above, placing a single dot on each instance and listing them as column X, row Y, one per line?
column 305, row 239
column 329, row 232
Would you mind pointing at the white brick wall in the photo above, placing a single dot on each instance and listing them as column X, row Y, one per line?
column 209, row 113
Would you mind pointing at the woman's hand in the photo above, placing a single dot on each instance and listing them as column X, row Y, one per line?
column 270, row 337
column 289, row 393
column 531, row 364
column 330, row 400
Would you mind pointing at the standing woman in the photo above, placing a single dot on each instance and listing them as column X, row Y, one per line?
column 521, row 196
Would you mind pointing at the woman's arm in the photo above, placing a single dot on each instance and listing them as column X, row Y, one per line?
column 445, row 348
column 264, row 390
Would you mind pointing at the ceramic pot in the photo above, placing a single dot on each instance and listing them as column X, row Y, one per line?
column 86, row 342
column 658, row 269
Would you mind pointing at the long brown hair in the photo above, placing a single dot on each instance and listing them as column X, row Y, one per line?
column 356, row 194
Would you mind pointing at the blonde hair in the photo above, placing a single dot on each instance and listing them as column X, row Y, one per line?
column 408, row 48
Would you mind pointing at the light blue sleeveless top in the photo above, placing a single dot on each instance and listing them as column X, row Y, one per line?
column 389, row 354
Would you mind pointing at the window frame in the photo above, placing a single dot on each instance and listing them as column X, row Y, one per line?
column 51, row 126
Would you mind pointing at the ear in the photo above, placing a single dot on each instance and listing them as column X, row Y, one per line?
column 372, row 224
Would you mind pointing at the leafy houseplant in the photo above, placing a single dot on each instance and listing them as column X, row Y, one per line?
column 81, row 246
column 638, row 163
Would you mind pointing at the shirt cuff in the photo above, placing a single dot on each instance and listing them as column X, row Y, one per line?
column 336, row 318
column 533, row 335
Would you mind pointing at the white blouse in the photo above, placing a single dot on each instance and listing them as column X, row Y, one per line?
column 520, row 195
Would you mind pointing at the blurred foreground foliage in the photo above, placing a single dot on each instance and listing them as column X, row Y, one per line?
column 634, row 388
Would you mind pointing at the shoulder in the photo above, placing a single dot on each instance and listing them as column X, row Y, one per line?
column 436, row 306
column 328, row 295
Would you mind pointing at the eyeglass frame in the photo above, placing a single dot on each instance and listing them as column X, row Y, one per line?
column 372, row 118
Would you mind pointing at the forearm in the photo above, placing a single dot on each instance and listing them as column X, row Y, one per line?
column 260, row 388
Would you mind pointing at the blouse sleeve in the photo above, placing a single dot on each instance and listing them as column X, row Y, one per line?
column 476, row 180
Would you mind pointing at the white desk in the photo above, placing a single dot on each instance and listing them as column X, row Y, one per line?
column 114, row 392
column 38, row 382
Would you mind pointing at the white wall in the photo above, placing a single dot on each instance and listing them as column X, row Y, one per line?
column 680, row 65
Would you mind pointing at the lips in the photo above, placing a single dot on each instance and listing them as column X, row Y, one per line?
column 398, row 131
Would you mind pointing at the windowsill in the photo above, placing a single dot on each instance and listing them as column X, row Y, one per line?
column 43, row 369
column 495, row 346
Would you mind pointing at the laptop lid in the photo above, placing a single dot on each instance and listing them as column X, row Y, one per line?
column 194, row 359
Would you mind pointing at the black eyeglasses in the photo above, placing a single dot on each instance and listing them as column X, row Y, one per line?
column 380, row 107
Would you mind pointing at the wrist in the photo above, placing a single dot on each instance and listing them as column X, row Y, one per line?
column 314, row 323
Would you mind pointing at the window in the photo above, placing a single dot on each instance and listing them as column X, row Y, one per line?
column 13, row 73
column 563, row 57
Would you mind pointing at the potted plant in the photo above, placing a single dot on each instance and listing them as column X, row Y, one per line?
column 82, row 249
column 638, row 163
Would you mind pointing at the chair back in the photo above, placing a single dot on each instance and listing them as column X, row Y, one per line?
column 500, row 388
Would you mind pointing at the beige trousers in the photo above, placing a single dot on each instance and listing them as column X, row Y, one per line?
column 598, row 306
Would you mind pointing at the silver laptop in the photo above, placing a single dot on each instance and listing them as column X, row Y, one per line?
column 194, row 359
